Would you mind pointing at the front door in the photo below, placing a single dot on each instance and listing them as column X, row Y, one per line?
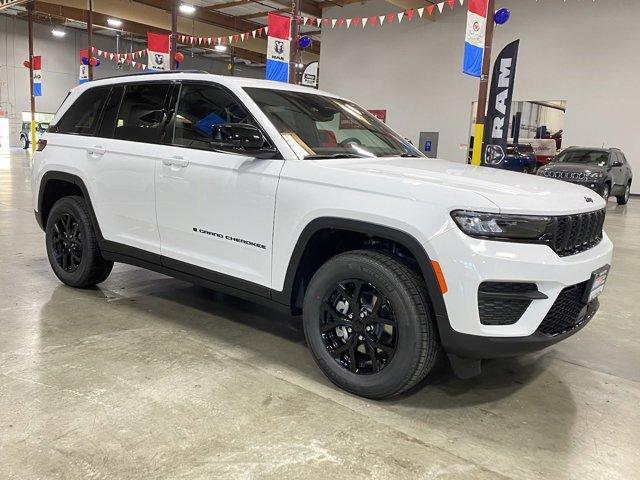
column 215, row 210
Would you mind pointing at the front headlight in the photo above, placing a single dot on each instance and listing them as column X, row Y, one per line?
column 594, row 176
column 495, row 226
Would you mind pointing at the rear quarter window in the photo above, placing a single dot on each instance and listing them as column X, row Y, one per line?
column 83, row 115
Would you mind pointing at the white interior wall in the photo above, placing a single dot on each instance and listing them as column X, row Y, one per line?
column 60, row 66
column 579, row 51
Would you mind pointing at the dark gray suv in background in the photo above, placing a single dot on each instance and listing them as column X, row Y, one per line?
column 603, row 170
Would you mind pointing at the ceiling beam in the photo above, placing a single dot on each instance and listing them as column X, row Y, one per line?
column 139, row 29
column 259, row 14
column 221, row 6
column 306, row 6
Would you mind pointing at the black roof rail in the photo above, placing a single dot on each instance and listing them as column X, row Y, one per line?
column 153, row 72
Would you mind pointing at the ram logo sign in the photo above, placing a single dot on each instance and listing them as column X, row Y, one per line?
column 496, row 130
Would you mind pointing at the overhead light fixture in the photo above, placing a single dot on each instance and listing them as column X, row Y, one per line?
column 58, row 33
column 220, row 48
column 114, row 22
column 187, row 9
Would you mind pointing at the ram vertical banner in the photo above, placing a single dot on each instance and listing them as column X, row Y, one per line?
column 37, row 76
column 83, row 75
column 474, row 39
column 496, row 127
column 278, row 45
column 158, row 51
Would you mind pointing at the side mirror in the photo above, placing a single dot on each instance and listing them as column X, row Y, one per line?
column 240, row 138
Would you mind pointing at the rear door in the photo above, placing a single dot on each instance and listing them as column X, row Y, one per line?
column 215, row 209
column 124, row 155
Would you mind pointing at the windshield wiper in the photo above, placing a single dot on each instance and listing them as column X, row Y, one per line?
column 333, row 155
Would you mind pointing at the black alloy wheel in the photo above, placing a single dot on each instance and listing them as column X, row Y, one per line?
column 72, row 244
column 368, row 324
column 358, row 327
column 67, row 242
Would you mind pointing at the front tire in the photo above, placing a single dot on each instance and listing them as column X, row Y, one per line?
column 24, row 143
column 72, row 246
column 368, row 324
column 606, row 191
column 624, row 198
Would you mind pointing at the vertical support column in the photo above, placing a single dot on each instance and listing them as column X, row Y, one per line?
column 173, row 49
column 478, row 135
column 293, row 51
column 31, row 96
column 90, row 37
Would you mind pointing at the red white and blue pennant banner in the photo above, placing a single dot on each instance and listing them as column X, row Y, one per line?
column 474, row 38
column 36, row 65
column 278, row 45
column 158, row 51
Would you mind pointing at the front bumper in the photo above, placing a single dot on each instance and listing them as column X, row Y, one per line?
column 467, row 262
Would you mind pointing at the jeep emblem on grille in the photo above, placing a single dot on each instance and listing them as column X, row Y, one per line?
column 589, row 199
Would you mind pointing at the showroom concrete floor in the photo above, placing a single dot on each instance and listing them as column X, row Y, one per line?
column 150, row 377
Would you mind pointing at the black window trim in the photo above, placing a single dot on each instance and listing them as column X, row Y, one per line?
column 174, row 106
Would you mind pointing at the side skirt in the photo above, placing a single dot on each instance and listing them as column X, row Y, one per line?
column 196, row 275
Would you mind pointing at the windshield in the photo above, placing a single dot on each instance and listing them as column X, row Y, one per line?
column 583, row 157
column 316, row 126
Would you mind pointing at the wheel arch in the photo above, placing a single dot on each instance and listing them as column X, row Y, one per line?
column 55, row 185
column 305, row 252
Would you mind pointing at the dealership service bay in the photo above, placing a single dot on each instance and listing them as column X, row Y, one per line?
column 166, row 380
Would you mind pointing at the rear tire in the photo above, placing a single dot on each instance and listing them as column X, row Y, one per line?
column 24, row 143
column 72, row 246
column 390, row 342
column 624, row 198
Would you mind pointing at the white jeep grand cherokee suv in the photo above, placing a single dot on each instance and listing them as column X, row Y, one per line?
column 303, row 200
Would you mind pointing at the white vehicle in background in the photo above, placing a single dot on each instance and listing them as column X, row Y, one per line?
column 253, row 188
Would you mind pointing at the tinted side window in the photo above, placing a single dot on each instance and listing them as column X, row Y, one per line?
column 142, row 112
column 199, row 108
column 82, row 117
column 110, row 113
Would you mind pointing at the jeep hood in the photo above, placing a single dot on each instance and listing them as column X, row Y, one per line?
column 510, row 192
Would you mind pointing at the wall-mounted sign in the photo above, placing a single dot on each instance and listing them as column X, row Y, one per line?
column 310, row 75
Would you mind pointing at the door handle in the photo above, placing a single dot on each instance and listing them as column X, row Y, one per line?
column 176, row 161
column 96, row 151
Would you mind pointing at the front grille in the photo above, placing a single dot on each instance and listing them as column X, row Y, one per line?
column 577, row 233
column 567, row 312
column 503, row 303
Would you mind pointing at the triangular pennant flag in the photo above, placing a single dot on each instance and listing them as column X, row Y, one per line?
column 400, row 15
column 210, row 40
column 410, row 13
column 381, row 18
column 333, row 22
column 451, row 3
column 440, row 6
column 230, row 37
column 242, row 36
column 373, row 20
column 305, row 20
column 111, row 55
column 461, row 2
column 348, row 22
column 340, row 22
column 325, row 22
column 420, row 12
column 253, row 34
column 133, row 63
column 364, row 21
column 430, row 9
column 390, row 17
